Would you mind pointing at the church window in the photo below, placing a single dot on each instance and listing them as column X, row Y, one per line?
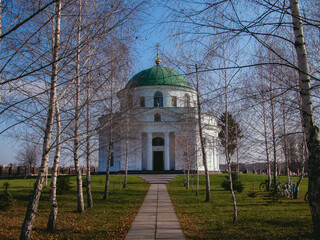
column 157, row 117
column 187, row 100
column 158, row 99
column 130, row 104
column 142, row 102
column 158, row 141
column 173, row 101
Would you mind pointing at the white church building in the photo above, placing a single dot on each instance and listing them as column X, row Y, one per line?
column 156, row 128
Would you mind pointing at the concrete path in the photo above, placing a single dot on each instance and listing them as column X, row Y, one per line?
column 158, row 178
column 156, row 218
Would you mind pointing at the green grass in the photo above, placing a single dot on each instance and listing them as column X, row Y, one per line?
column 258, row 218
column 107, row 220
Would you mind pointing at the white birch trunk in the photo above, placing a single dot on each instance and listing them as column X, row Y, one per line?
column 273, row 138
column 110, row 148
column 80, row 202
column 88, row 180
column 266, row 139
column 51, row 226
column 234, row 201
column 286, row 158
column 203, row 151
column 309, row 126
column 34, row 200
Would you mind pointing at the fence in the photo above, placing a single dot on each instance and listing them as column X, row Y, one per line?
column 6, row 171
column 265, row 171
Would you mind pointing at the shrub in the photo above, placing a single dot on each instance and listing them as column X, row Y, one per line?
column 6, row 198
column 63, row 185
column 236, row 183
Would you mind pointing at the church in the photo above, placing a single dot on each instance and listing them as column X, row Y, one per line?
column 156, row 128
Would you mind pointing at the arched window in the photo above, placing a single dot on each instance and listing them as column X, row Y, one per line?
column 142, row 102
column 187, row 100
column 157, row 117
column 158, row 99
column 158, row 141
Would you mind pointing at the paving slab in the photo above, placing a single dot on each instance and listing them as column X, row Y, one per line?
column 169, row 234
column 156, row 218
column 158, row 178
column 168, row 225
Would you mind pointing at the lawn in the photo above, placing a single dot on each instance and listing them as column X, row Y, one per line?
column 258, row 218
column 107, row 220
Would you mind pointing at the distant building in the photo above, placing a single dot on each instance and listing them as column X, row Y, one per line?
column 157, row 125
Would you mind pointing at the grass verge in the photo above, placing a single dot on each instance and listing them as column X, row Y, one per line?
column 107, row 220
column 258, row 217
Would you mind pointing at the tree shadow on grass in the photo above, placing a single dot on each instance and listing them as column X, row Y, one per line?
column 253, row 204
column 70, row 233
column 287, row 223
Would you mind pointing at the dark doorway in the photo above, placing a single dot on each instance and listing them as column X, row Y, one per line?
column 158, row 161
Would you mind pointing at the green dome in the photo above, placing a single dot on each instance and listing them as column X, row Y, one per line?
column 158, row 75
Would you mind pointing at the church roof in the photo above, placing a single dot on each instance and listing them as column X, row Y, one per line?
column 158, row 75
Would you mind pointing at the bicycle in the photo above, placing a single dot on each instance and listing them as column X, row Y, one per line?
column 264, row 186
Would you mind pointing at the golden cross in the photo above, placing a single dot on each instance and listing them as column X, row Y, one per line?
column 158, row 61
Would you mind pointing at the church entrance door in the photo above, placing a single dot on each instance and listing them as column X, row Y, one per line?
column 158, row 164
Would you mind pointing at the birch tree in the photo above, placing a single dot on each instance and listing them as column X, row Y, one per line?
column 310, row 128
column 110, row 144
column 34, row 200
column 80, row 201
column 229, row 134
column 257, row 28
column 88, row 146
column 51, row 226
column 201, row 139
column 266, row 137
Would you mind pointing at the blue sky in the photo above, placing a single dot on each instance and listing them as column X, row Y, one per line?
column 149, row 35
column 7, row 150
column 144, row 56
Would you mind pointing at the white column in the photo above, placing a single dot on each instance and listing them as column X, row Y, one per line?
column 166, row 152
column 149, row 151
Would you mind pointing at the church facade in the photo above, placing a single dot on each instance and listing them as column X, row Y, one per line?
column 156, row 128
